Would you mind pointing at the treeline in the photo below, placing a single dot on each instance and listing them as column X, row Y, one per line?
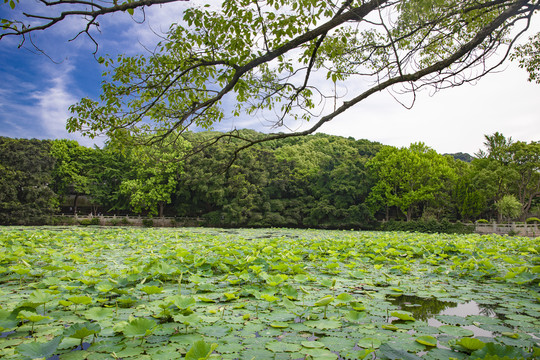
column 312, row 181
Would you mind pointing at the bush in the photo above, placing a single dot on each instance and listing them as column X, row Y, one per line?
column 533, row 220
column 125, row 221
column 431, row 226
column 148, row 222
column 115, row 222
column 62, row 220
column 92, row 221
column 482, row 221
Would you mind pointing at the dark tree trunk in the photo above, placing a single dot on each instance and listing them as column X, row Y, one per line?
column 75, row 204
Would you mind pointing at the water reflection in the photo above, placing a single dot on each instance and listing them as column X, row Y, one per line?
column 422, row 308
column 426, row 309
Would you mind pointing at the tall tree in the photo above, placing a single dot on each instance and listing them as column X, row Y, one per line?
column 155, row 175
column 72, row 166
column 25, row 175
column 407, row 177
column 509, row 168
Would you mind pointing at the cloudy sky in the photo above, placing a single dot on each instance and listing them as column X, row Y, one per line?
column 37, row 91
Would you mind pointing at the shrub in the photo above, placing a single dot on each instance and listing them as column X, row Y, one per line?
column 482, row 221
column 431, row 226
column 533, row 220
column 125, row 221
column 513, row 233
column 92, row 221
column 148, row 222
column 115, row 222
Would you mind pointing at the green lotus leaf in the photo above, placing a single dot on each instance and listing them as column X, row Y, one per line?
column 139, row 327
column 393, row 353
column 200, row 350
column 369, row 343
column 390, row 327
column 98, row 313
column 326, row 282
column 40, row 297
column 357, row 274
column 31, row 316
column 312, row 344
column 187, row 320
column 456, row 331
column 403, row 315
column 206, row 299
column 182, row 302
column 320, row 354
column 230, row 296
column 82, row 330
column 81, row 300
column 36, row 350
column 344, row 297
column 275, row 280
column 104, row 287
column 151, row 290
column 427, row 340
column 281, row 346
column 206, row 287
column 324, row 301
column 290, row 292
column 500, row 351
column 279, row 324
column 269, row 298
column 358, row 306
column 471, row 343
column 355, row 315
column 323, row 324
column 510, row 334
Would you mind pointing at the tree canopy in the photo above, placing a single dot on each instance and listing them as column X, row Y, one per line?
column 289, row 61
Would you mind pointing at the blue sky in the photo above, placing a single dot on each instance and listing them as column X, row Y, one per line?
column 36, row 93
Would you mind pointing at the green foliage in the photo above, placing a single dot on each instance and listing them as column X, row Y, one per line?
column 528, row 56
column 26, row 172
column 38, row 350
column 431, row 226
column 315, row 181
column 92, row 221
column 533, row 220
column 184, row 289
column 407, row 177
column 148, row 222
column 509, row 207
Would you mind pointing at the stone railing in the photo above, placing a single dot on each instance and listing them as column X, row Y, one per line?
column 520, row 229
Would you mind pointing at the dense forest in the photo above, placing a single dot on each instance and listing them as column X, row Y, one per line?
column 311, row 181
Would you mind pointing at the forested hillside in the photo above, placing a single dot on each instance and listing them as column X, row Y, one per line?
column 312, row 181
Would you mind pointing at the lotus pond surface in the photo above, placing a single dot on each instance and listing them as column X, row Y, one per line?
column 191, row 293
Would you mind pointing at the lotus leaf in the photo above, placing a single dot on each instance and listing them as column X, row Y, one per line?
column 312, row 344
column 200, row 350
column 324, row 301
column 455, row 330
column 471, row 343
column 323, row 324
column 427, row 340
column 403, row 315
column 35, row 350
column 139, row 327
column 281, row 346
